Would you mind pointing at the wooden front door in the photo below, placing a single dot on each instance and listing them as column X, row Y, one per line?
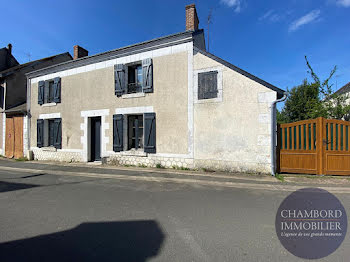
column 14, row 137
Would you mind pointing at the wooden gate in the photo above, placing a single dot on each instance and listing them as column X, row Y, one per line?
column 14, row 137
column 317, row 146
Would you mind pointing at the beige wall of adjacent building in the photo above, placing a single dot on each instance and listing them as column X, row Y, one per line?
column 234, row 133
column 94, row 90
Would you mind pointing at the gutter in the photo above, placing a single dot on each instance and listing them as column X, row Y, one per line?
column 273, row 132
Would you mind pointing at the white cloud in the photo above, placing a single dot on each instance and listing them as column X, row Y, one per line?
column 345, row 3
column 306, row 19
column 236, row 4
column 270, row 15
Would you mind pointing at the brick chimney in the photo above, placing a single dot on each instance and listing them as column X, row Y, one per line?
column 79, row 52
column 9, row 47
column 191, row 18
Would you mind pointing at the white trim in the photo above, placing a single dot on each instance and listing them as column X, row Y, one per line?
column 49, row 104
column 49, row 116
column 25, row 135
column 135, row 95
column 92, row 113
column 134, row 110
column 219, row 83
column 161, row 51
column 84, row 139
column 190, row 106
column 3, row 131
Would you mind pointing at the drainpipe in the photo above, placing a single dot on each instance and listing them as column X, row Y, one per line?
column 273, row 132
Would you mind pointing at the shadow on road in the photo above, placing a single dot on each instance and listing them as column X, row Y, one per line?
column 134, row 241
column 6, row 186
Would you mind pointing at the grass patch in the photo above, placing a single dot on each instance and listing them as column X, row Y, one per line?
column 21, row 159
column 142, row 165
column 180, row 168
column 159, row 166
column 128, row 165
column 280, row 177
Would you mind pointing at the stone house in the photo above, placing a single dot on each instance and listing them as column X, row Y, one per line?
column 165, row 101
column 13, row 110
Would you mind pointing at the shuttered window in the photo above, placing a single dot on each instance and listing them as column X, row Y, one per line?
column 208, row 85
column 118, row 133
column 2, row 96
column 49, row 133
column 49, row 91
column 134, row 77
column 150, row 132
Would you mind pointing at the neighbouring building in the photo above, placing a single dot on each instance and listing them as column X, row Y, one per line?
column 345, row 91
column 13, row 109
column 165, row 101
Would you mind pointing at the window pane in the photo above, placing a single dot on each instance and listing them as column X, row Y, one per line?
column 139, row 75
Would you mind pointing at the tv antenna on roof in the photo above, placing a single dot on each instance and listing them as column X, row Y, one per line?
column 29, row 56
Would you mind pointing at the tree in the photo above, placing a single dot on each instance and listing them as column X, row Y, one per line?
column 313, row 99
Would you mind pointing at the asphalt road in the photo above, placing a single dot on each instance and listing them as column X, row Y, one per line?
column 57, row 217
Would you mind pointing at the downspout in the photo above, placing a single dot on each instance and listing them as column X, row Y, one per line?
column 273, row 132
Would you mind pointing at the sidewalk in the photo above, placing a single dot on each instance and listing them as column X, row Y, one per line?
column 217, row 179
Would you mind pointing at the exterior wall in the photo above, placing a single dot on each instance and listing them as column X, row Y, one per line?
column 233, row 133
column 95, row 90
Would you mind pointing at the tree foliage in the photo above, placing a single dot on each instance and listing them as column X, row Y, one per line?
column 314, row 99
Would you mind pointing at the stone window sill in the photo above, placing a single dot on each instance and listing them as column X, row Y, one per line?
column 49, row 104
column 49, row 149
column 134, row 95
column 134, row 152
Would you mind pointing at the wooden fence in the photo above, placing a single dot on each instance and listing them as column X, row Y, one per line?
column 317, row 146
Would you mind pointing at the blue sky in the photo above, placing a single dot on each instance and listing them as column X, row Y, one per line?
column 266, row 38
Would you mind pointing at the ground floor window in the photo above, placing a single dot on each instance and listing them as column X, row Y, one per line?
column 134, row 132
column 49, row 133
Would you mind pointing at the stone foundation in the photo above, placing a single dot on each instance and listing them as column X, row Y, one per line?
column 150, row 161
column 57, row 155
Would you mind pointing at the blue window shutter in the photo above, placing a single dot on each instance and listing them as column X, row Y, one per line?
column 40, row 133
column 150, row 132
column 118, row 133
column 119, row 78
column 2, row 96
column 57, row 133
column 147, row 75
column 57, row 90
column 41, row 86
column 46, row 91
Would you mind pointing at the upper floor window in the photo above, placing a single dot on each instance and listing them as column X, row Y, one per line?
column 208, row 85
column 49, row 91
column 134, row 78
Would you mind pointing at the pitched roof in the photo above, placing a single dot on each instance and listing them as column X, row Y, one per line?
column 21, row 108
column 344, row 89
column 31, row 63
column 149, row 45
column 279, row 91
